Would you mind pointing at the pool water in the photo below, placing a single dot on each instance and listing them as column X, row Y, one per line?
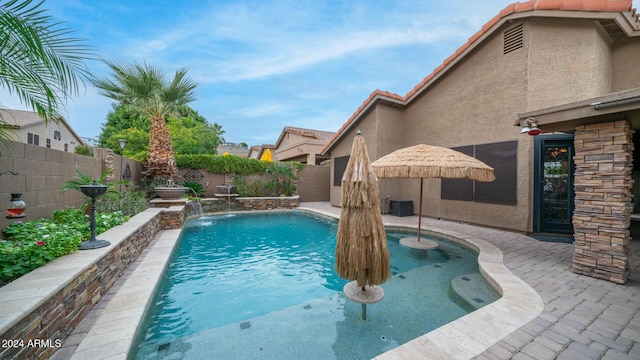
column 263, row 286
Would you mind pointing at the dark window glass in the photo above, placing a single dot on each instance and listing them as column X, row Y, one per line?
column 502, row 157
column 339, row 166
column 458, row 189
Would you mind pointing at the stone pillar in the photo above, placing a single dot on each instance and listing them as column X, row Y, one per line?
column 108, row 161
column 601, row 219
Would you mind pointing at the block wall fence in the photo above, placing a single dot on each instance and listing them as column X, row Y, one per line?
column 42, row 171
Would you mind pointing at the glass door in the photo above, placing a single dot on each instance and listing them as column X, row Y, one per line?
column 554, row 184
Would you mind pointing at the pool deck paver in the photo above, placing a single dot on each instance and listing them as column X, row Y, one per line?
column 582, row 318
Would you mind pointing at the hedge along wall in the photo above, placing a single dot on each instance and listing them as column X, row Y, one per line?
column 41, row 173
column 312, row 184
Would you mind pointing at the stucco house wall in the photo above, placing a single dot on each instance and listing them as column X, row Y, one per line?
column 28, row 128
column 474, row 104
column 569, row 60
column 625, row 70
column 382, row 131
column 475, row 97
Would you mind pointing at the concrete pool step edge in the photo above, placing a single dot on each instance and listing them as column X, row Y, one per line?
column 519, row 302
column 114, row 331
column 472, row 334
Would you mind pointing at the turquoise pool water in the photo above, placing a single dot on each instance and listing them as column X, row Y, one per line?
column 263, row 286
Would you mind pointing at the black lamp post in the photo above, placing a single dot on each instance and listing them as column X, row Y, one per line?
column 122, row 142
column 93, row 191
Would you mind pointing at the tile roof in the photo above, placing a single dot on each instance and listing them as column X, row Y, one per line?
column 20, row 118
column 318, row 134
column 24, row 118
column 518, row 7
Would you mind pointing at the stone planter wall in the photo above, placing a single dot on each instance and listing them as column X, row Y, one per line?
column 48, row 303
column 603, row 182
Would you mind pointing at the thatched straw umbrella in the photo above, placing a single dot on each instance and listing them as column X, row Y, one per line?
column 361, row 248
column 426, row 161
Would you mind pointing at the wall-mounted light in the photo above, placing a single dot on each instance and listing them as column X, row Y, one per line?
column 530, row 127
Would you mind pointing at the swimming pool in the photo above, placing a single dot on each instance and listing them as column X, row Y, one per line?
column 263, row 286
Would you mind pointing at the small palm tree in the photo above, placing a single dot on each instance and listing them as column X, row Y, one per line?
column 147, row 89
column 38, row 61
column 81, row 179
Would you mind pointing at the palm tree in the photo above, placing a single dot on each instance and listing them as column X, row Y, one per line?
column 38, row 61
column 147, row 89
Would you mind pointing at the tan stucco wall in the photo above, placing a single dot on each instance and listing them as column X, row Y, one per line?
column 299, row 148
column 479, row 98
column 382, row 131
column 475, row 104
column 626, row 72
column 567, row 68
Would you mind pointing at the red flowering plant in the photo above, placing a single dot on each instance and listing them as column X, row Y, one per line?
column 32, row 244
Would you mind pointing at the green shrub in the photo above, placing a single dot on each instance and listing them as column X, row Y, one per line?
column 195, row 187
column 34, row 243
column 222, row 164
column 252, row 188
column 84, row 150
column 130, row 202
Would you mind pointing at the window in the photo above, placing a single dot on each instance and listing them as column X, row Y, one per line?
column 57, row 135
column 502, row 157
column 339, row 167
column 66, row 147
column 48, row 143
column 458, row 189
column 33, row 139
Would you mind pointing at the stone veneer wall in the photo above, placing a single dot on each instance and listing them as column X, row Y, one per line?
column 601, row 219
column 266, row 203
column 56, row 317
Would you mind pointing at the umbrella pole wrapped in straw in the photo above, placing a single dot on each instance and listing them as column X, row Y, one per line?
column 361, row 247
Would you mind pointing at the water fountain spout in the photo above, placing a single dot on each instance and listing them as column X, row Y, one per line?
column 228, row 188
column 197, row 206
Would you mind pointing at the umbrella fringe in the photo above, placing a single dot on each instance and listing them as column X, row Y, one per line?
column 425, row 161
column 361, row 247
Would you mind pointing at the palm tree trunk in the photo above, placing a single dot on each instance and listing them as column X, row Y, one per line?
column 161, row 162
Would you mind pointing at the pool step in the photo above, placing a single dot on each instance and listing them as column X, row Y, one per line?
column 473, row 289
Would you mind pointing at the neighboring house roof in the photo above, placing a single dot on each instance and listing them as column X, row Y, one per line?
column 24, row 119
column 255, row 149
column 262, row 148
column 233, row 149
column 314, row 134
column 620, row 11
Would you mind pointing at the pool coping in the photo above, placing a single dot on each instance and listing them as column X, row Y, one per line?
column 112, row 335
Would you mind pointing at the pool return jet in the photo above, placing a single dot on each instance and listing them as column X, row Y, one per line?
column 361, row 247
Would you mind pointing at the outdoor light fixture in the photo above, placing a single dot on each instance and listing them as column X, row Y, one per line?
column 122, row 142
column 530, row 127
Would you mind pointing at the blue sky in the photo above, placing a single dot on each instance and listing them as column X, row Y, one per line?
column 265, row 64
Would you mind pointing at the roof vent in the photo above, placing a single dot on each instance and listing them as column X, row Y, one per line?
column 513, row 39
